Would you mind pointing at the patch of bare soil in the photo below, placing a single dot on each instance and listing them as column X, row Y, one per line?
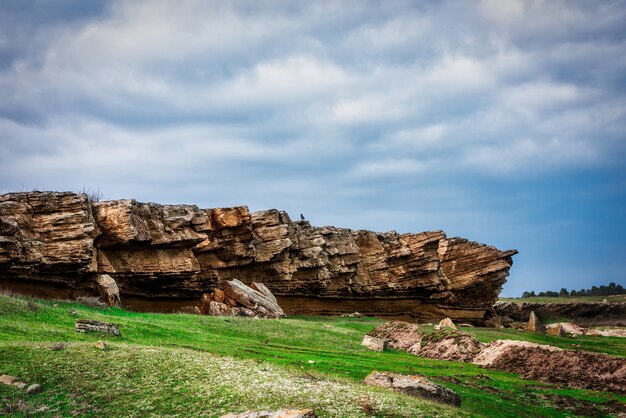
column 448, row 345
column 579, row 369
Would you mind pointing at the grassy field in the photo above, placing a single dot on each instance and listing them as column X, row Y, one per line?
column 191, row 365
column 591, row 299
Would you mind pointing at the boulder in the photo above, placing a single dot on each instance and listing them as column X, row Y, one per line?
column 34, row 388
column 261, row 288
column 413, row 385
column 555, row 329
column 373, row 343
column 88, row 325
column 109, row 292
column 101, row 345
column 218, row 309
column 252, row 299
column 283, row 413
column 533, row 324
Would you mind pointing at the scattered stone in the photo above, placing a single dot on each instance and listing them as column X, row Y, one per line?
column 493, row 322
column 352, row 315
column 88, row 325
column 109, row 292
column 533, row 323
column 555, row 329
column 445, row 323
column 12, row 381
column 73, row 312
column 283, row 413
column 374, row 343
column 311, row 361
column 466, row 325
column 34, row 388
column 413, row 385
column 101, row 345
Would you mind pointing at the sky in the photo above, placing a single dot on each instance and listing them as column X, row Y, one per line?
column 501, row 121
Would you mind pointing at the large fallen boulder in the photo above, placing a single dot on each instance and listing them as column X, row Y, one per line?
column 237, row 299
column 89, row 325
column 413, row 385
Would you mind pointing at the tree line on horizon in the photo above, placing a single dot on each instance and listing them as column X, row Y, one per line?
column 610, row 290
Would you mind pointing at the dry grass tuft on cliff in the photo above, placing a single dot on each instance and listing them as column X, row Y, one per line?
column 174, row 365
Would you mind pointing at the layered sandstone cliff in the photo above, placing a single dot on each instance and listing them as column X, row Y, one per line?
column 163, row 256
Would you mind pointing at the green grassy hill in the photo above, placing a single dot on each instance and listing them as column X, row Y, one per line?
column 188, row 365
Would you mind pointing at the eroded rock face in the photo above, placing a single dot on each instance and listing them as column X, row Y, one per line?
column 167, row 255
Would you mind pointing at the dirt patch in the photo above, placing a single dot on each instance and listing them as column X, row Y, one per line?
column 448, row 345
column 579, row 369
column 399, row 335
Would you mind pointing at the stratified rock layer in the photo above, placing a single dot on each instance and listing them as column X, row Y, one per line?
column 164, row 256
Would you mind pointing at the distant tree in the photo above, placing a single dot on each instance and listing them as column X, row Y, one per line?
column 526, row 294
column 573, row 293
column 532, row 294
column 563, row 292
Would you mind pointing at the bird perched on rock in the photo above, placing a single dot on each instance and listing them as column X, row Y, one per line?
column 301, row 217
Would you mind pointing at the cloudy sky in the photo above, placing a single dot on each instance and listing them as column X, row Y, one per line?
column 500, row 121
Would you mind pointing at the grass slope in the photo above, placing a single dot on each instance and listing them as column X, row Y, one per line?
column 199, row 365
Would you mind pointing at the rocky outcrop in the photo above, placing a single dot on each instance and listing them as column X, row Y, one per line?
column 574, row 368
column 582, row 313
column 163, row 257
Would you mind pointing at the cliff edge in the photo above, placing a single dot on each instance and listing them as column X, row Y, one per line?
column 165, row 256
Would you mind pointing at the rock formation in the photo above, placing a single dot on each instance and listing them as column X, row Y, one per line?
column 163, row 257
column 583, row 313
column 237, row 299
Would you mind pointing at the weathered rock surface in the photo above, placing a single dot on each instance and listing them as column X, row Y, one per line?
column 374, row 343
column 109, row 292
column 237, row 299
column 533, row 324
column 445, row 323
column 164, row 256
column 413, row 385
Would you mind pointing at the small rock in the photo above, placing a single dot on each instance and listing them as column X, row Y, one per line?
column 88, row 325
column 311, row 361
column 374, row 343
column 283, row 413
column 466, row 325
column 12, row 381
column 556, row 329
column 445, row 323
column 413, row 385
column 101, row 345
column 34, row 388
